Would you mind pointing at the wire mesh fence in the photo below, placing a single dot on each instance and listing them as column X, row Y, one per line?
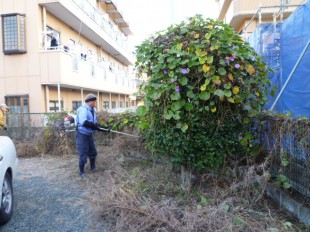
column 286, row 139
column 46, row 132
column 25, row 127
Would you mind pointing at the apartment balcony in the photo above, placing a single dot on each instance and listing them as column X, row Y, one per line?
column 237, row 12
column 116, row 15
column 78, row 72
column 85, row 19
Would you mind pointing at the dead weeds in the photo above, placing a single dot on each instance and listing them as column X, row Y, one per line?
column 145, row 195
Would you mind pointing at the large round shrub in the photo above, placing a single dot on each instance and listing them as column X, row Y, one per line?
column 203, row 86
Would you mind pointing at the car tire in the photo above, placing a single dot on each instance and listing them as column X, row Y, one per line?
column 6, row 204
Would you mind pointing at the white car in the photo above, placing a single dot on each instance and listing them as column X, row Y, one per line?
column 8, row 168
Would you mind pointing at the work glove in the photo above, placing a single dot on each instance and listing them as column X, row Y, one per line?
column 91, row 125
column 105, row 128
column 5, row 128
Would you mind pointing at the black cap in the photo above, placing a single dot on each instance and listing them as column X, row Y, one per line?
column 90, row 97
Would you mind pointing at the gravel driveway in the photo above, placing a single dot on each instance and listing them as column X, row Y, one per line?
column 50, row 196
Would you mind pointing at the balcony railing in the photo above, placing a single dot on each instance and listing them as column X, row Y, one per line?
column 104, row 24
column 86, row 67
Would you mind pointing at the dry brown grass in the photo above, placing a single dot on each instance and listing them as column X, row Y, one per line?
column 134, row 191
column 48, row 141
column 145, row 195
column 27, row 149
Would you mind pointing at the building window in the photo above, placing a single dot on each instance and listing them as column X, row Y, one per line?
column 18, row 104
column 53, row 38
column 76, row 105
column 132, row 103
column 110, row 24
column 92, row 71
column 76, row 64
column 106, row 105
column 120, row 104
column 54, row 106
column 127, row 105
column 113, row 104
column 14, row 34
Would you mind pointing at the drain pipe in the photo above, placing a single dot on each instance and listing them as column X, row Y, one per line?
column 59, row 100
column 290, row 76
column 44, row 28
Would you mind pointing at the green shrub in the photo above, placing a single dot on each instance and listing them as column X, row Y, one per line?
column 127, row 120
column 203, row 86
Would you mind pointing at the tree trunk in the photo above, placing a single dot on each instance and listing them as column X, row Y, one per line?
column 186, row 177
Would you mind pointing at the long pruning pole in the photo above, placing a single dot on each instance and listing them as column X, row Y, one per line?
column 126, row 134
column 121, row 133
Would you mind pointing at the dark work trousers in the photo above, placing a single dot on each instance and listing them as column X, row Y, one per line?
column 86, row 148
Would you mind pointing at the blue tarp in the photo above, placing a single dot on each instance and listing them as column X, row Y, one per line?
column 266, row 42
column 281, row 45
column 294, row 37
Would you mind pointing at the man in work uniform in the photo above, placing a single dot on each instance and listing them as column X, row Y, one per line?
column 3, row 110
column 86, row 127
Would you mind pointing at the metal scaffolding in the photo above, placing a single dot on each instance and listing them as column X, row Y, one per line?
column 278, row 14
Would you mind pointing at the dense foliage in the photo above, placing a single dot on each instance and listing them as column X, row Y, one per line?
column 127, row 120
column 203, row 85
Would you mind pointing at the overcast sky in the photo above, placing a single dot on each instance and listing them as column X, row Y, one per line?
column 148, row 16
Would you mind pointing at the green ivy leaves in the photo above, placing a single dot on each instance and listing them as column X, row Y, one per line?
column 222, row 71
column 210, row 59
column 227, row 93
column 168, row 115
column 203, row 85
column 175, row 96
column 219, row 93
column 183, row 81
